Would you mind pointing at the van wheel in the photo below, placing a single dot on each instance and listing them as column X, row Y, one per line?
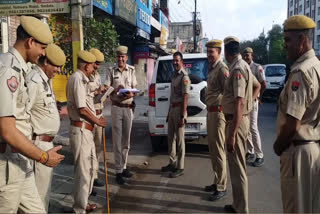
column 157, row 143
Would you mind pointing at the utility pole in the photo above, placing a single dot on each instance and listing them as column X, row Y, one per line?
column 195, row 27
column 77, row 30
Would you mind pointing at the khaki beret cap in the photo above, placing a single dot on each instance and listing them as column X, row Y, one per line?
column 299, row 22
column 55, row 55
column 37, row 29
column 248, row 50
column 215, row 43
column 99, row 56
column 122, row 50
column 87, row 56
column 229, row 39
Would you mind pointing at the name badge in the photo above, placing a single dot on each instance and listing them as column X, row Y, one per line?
column 49, row 95
column 115, row 78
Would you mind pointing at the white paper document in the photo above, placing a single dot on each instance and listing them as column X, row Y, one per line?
column 102, row 97
column 125, row 90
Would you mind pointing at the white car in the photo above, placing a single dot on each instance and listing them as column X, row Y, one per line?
column 159, row 99
column 275, row 78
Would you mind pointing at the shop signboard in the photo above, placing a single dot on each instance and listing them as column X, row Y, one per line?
column 141, row 52
column 164, row 29
column 126, row 9
column 20, row 7
column 105, row 5
column 144, row 16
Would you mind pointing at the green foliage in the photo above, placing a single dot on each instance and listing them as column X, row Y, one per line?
column 268, row 49
column 62, row 35
column 101, row 35
column 276, row 50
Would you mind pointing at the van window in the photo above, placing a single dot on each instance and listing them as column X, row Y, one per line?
column 273, row 71
column 198, row 67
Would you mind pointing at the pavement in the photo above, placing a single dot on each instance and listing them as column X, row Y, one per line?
column 61, row 198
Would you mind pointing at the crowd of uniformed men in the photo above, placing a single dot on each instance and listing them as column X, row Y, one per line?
column 29, row 119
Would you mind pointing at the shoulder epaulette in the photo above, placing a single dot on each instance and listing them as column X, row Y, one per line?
column 306, row 77
column 36, row 77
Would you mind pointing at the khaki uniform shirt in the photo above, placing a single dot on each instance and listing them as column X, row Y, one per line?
column 217, row 75
column 14, row 97
column 257, row 71
column 180, row 85
column 79, row 96
column 94, row 84
column 239, row 84
column 126, row 78
column 45, row 117
column 301, row 99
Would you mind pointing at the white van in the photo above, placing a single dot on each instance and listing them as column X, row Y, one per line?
column 275, row 78
column 159, row 99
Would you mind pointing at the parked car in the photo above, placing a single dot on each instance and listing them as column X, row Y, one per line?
column 159, row 99
column 275, row 78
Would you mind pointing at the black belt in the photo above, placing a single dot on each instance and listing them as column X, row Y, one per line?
column 304, row 142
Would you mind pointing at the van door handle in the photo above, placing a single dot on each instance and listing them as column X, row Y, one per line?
column 162, row 88
column 162, row 99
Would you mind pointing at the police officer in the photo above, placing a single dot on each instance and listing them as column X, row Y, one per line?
column 97, row 88
column 45, row 118
column 83, row 118
column 240, row 89
column 298, row 125
column 121, row 76
column 254, row 140
column 17, row 184
column 218, row 73
column 177, row 115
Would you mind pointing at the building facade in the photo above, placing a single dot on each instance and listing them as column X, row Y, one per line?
column 310, row 8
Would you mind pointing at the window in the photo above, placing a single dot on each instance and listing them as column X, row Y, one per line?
column 318, row 25
column 318, row 39
column 291, row 3
column 273, row 71
column 196, row 67
column 308, row 14
column 291, row 13
column 300, row 8
column 312, row 14
column 307, row 3
column 318, row 11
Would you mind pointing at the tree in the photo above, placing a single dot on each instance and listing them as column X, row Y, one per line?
column 276, row 50
column 101, row 35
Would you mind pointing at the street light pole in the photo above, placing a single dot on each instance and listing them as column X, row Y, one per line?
column 195, row 27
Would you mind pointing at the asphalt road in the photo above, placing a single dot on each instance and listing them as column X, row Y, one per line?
column 152, row 191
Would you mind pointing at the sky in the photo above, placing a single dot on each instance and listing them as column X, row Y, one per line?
column 245, row 19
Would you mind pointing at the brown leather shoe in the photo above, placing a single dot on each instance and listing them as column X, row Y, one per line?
column 90, row 207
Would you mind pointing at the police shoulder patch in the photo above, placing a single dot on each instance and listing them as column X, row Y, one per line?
column 186, row 82
column 238, row 76
column 295, row 85
column 12, row 84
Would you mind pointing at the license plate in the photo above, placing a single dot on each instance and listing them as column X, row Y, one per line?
column 191, row 127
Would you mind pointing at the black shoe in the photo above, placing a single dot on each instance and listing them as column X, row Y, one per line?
column 229, row 209
column 126, row 173
column 94, row 192
column 168, row 168
column 210, row 188
column 258, row 162
column 249, row 157
column 217, row 195
column 119, row 178
column 98, row 183
column 176, row 173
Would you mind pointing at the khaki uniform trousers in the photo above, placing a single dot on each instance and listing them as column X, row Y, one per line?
column 254, row 140
column 237, row 166
column 216, row 124
column 176, row 144
column 300, row 183
column 18, row 190
column 43, row 174
column 121, row 130
column 84, row 154
column 99, row 145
